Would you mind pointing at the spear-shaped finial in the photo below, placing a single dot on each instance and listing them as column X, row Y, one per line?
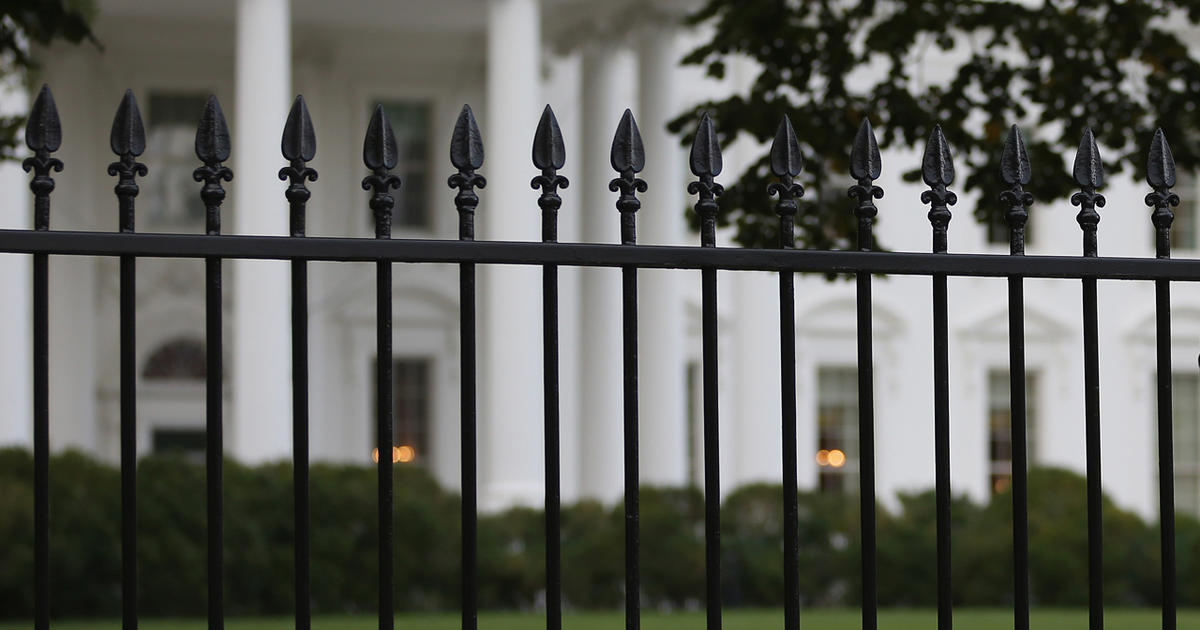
column 705, row 161
column 787, row 162
column 1089, row 175
column 549, row 155
column 466, row 154
column 628, row 158
column 43, row 136
column 865, row 166
column 212, row 147
column 380, row 156
column 127, row 140
column 937, row 170
column 1160, row 174
column 1015, row 171
column 298, row 146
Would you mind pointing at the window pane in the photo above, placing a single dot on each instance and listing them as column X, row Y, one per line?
column 1185, row 407
column 411, row 123
column 837, row 429
column 999, row 417
column 412, row 412
column 172, row 196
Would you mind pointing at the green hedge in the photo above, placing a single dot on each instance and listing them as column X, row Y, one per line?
column 85, row 545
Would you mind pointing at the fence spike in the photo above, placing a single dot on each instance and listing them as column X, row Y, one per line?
column 1089, row 170
column 628, row 152
column 466, row 154
column 299, row 142
column 212, row 136
column 1160, row 174
column 466, row 143
column 1160, row 170
column 549, row 153
column 786, row 159
column 1014, row 162
column 43, row 130
column 786, row 163
column 628, row 157
column 937, row 167
column 128, row 135
column 864, row 156
column 379, row 146
column 706, row 151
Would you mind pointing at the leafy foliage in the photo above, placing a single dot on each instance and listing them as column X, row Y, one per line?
column 25, row 23
column 975, row 67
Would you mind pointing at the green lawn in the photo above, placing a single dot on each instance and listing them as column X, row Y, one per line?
column 824, row 619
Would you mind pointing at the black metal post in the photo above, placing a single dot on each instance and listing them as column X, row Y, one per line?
column 937, row 169
column 212, row 147
column 43, row 136
column 466, row 153
column 128, row 140
column 1015, row 172
column 299, row 146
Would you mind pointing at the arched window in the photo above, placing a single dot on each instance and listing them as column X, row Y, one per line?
column 177, row 359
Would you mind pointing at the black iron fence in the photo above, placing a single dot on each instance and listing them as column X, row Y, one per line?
column 44, row 136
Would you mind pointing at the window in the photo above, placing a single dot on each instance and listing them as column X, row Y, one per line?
column 178, row 359
column 999, row 410
column 187, row 442
column 837, row 429
column 695, row 429
column 411, row 405
column 1185, row 409
column 1183, row 228
column 172, row 196
column 411, row 122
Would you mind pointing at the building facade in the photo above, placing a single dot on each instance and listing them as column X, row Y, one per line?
column 508, row 58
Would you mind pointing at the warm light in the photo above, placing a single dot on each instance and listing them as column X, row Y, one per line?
column 822, row 457
column 400, row 454
column 837, row 458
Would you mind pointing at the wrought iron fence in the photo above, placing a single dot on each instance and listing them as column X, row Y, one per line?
column 44, row 137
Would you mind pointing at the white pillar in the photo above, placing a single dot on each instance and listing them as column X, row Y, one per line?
column 608, row 85
column 661, row 322
column 16, row 318
column 260, row 426
column 509, row 318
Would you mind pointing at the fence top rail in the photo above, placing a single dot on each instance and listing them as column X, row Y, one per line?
column 590, row 255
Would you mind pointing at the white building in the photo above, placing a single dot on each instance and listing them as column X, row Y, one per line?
column 507, row 58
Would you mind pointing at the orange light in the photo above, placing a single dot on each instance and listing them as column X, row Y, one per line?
column 375, row 455
column 822, row 457
column 404, row 454
column 837, row 458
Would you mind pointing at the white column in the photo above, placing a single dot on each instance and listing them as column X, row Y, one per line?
column 608, row 85
column 661, row 322
column 16, row 318
column 260, row 426
column 510, row 436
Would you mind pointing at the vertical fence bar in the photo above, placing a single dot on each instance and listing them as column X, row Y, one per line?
column 706, row 164
column 549, row 155
column 128, row 140
column 937, row 169
column 1160, row 174
column 1015, row 171
column 212, row 147
column 466, row 154
column 628, row 157
column 1089, row 175
column 379, row 156
column 865, row 167
column 299, row 146
column 43, row 136
column 787, row 163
